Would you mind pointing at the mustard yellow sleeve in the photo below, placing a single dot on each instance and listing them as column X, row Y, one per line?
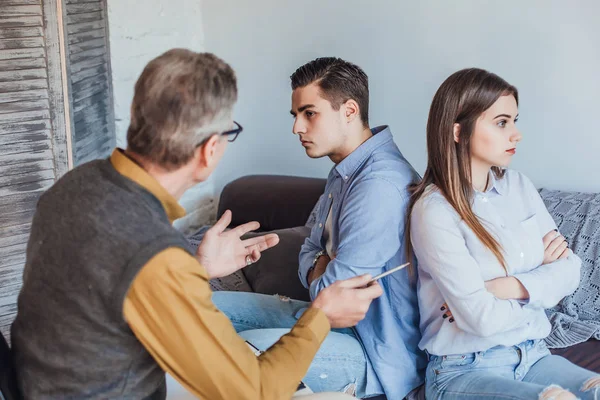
column 169, row 309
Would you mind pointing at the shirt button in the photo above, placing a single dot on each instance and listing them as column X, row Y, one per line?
column 329, row 195
column 320, row 225
column 522, row 254
column 346, row 177
column 485, row 200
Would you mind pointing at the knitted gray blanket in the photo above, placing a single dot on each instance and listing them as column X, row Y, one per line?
column 577, row 317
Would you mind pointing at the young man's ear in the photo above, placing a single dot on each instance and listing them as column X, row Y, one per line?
column 456, row 129
column 351, row 110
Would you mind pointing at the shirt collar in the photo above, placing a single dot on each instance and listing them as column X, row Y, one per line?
column 129, row 169
column 349, row 165
column 496, row 185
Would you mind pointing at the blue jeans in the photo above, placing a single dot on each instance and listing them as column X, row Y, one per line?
column 262, row 320
column 518, row 372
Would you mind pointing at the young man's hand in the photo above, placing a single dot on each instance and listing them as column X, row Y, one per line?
column 345, row 303
column 319, row 269
column 224, row 252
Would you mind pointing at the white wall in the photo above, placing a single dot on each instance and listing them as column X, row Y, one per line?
column 548, row 49
column 140, row 31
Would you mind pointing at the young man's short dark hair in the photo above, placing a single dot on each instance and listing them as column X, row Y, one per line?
column 339, row 81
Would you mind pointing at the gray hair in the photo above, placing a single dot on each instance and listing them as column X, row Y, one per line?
column 181, row 99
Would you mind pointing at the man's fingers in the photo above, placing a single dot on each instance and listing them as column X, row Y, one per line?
column 356, row 282
column 245, row 228
column 372, row 291
column 249, row 257
column 271, row 240
column 262, row 243
column 254, row 256
column 223, row 222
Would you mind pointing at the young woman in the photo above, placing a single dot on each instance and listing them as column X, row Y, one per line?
column 489, row 255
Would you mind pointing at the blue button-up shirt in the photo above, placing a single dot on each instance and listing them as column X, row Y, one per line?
column 454, row 265
column 367, row 196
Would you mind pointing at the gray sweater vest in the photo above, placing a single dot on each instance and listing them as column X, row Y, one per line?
column 92, row 233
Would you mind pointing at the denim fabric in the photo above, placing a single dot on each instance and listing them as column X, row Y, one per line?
column 517, row 372
column 263, row 319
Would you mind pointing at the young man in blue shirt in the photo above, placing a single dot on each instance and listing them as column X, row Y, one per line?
column 359, row 229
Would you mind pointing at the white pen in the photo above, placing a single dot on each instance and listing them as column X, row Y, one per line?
column 391, row 271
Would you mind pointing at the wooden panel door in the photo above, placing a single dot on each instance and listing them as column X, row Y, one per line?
column 33, row 136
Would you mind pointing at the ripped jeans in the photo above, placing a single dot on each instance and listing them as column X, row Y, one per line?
column 339, row 365
column 526, row 371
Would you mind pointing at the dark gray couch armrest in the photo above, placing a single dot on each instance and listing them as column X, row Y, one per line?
column 277, row 270
column 275, row 201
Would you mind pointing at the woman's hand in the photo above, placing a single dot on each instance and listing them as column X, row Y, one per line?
column 555, row 247
column 447, row 313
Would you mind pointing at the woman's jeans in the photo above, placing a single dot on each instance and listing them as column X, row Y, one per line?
column 524, row 371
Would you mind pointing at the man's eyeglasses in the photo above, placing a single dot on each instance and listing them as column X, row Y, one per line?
column 233, row 134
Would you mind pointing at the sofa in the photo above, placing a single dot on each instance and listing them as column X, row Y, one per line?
column 283, row 204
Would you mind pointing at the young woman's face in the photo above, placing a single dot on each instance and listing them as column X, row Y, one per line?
column 494, row 140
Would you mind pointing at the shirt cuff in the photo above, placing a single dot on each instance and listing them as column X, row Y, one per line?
column 315, row 320
column 313, row 289
column 303, row 273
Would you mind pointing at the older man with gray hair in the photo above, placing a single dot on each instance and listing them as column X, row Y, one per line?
column 113, row 296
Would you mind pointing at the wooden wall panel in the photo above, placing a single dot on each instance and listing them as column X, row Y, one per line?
column 26, row 157
column 56, row 111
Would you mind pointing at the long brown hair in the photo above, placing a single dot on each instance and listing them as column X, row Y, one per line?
column 461, row 99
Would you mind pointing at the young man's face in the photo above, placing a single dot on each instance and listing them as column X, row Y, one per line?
column 320, row 128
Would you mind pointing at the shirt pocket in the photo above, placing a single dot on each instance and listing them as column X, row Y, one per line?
column 529, row 245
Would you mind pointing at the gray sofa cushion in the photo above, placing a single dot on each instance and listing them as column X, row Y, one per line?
column 277, row 270
column 577, row 317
